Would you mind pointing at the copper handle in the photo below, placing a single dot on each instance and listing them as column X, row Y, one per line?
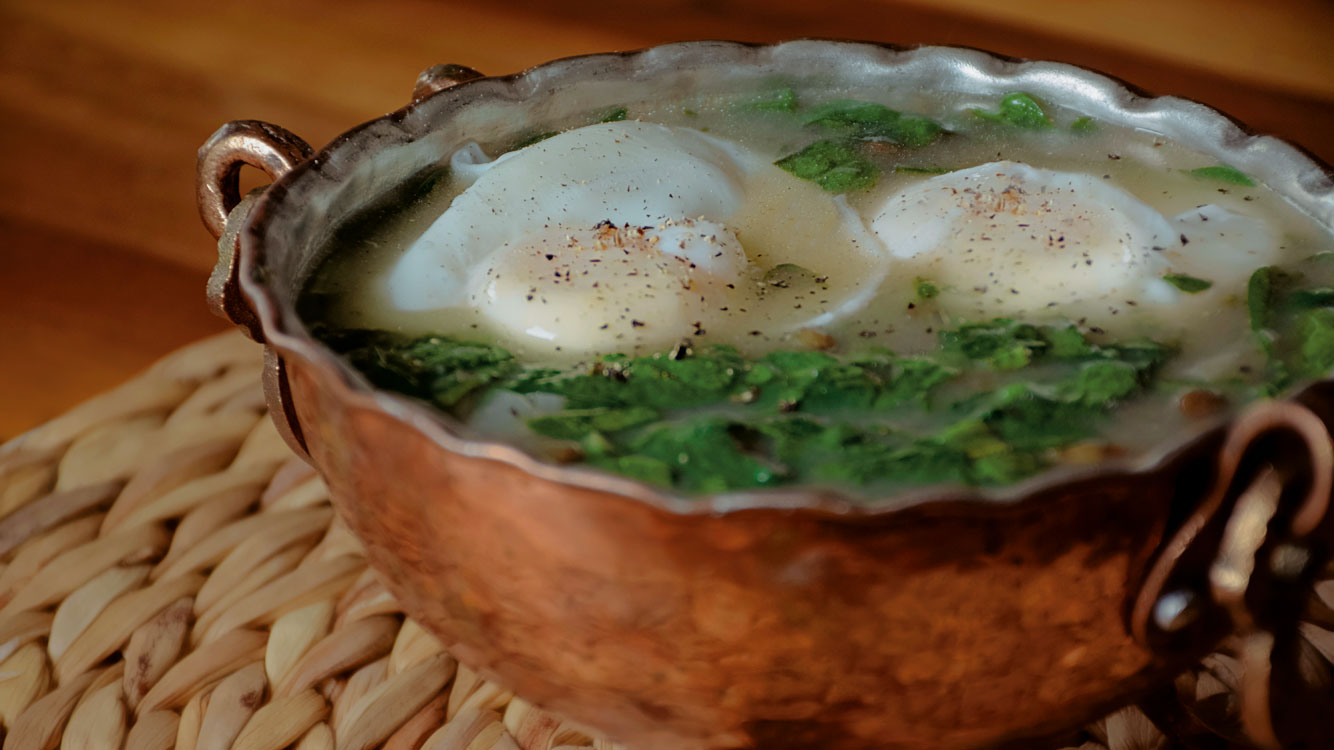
column 1242, row 565
column 270, row 148
column 217, row 180
column 275, row 151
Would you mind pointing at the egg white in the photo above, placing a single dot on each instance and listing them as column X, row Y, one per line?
column 631, row 236
column 1007, row 239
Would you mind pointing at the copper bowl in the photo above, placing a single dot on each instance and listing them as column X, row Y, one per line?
column 947, row 617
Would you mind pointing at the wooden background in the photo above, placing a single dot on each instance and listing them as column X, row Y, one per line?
column 102, row 105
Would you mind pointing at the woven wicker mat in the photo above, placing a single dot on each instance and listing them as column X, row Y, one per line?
column 171, row 576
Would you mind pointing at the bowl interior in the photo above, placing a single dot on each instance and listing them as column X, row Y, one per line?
column 379, row 160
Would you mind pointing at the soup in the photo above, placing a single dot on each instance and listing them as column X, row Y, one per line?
column 830, row 287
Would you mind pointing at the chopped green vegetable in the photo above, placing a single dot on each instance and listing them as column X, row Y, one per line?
column 643, row 468
column 704, row 455
column 615, row 114
column 1019, row 110
column 1100, row 383
column 1305, row 299
column 439, row 368
column 778, row 100
column 1004, row 344
column 1263, row 290
column 1187, row 284
column 906, row 169
column 834, row 166
column 710, row 420
column 925, row 289
column 911, row 379
column 1224, row 174
column 1084, row 124
column 868, row 120
column 1315, row 332
column 529, row 140
column 576, row 424
column 1068, row 343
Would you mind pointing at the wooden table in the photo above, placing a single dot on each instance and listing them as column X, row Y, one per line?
column 102, row 105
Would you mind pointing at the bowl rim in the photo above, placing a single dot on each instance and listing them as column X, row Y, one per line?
column 284, row 329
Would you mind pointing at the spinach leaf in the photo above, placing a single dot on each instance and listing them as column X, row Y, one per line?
column 1305, row 299
column 1146, row 355
column 438, row 368
column 778, row 100
column 1101, row 383
column 1066, row 342
column 1003, row 343
column 1084, row 124
column 1224, row 174
column 576, row 424
column 704, row 456
column 925, row 289
column 1019, row 110
column 656, row 381
column 1263, row 290
column 907, row 169
column 806, row 415
column 643, row 468
column 1187, row 284
column 1315, row 334
column 537, row 137
column 834, row 166
column 868, row 120
column 615, row 114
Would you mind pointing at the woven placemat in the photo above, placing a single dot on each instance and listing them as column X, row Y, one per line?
column 171, row 576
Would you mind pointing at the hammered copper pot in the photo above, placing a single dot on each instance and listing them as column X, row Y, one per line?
column 944, row 618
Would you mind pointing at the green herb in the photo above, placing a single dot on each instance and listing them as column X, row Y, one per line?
column 834, row 166
column 1315, row 333
column 710, row 420
column 1263, row 290
column 1144, row 354
column 1224, row 174
column 868, row 120
column 643, row 468
column 1019, row 110
column 1187, row 284
column 778, row 100
column 529, row 140
column 1305, row 299
column 615, row 114
column 441, row 369
column 1084, row 124
column 1067, row 343
column 1101, row 383
column 576, row 424
column 704, row 455
column 910, row 379
column 925, row 289
column 906, row 169
column 1004, row 344
column 1030, row 421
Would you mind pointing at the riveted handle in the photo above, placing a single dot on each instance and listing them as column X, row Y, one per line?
column 1242, row 566
column 270, row 148
column 275, row 151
